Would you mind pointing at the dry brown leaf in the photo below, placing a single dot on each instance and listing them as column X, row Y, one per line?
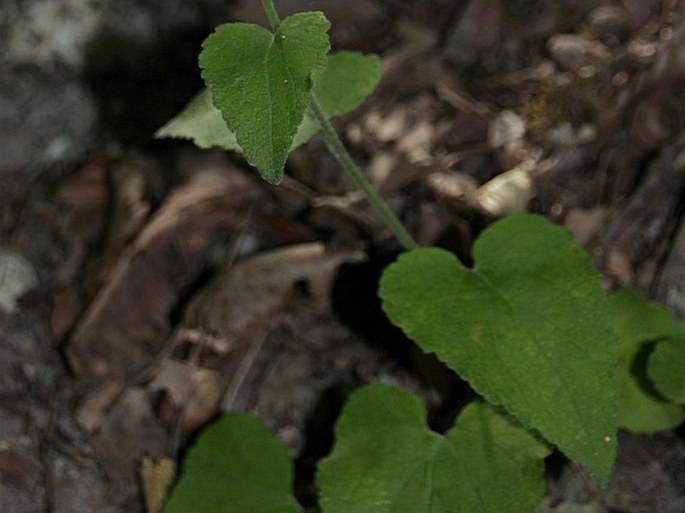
column 206, row 392
column 128, row 321
column 244, row 296
column 130, row 208
column 157, row 476
column 195, row 393
column 264, row 307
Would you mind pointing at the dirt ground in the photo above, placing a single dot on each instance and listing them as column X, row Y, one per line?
column 147, row 286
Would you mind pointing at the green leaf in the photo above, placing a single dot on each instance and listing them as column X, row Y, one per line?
column 341, row 87
column 667, row 369
column 201, row 122
column 529, row 327
column 261, row 83
column 639, row 324
column 387, row 460
column 236, row 465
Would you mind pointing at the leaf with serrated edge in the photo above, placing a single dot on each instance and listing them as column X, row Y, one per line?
column 529, row 327
column 201, row 122
column 341, row 87
column 236, row 465
column 386, row 460
column 261, row 83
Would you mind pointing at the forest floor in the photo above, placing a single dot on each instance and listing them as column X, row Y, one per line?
column 146, row 286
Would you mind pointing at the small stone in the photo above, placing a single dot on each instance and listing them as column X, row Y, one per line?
column 17, row 277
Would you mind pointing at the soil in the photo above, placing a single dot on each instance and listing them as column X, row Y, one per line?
column 147, row 286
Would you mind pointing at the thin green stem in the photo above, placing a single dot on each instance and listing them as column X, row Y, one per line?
column 338, row 150
column 271, row 13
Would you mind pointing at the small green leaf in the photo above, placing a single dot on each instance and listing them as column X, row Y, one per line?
column 529, row 327
column 347, row 80
column 261, row 83
column 236, row 465
column 201, row 122
column 667, row 369
column 341, row 87
column 639, row 324
column 386, row 460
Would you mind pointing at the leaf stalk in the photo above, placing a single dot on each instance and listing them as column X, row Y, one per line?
column 271, row 13
column 337, row 148
column 339, row 151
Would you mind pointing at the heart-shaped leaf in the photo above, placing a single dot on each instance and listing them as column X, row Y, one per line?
column 341, row 87
column 529, row 327
column 261, row 83
column 386, row 460
column 236, row 465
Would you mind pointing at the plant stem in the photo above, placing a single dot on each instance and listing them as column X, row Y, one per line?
column 270, row 11
column 338, row 150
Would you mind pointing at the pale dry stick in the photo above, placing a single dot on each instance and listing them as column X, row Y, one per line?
column 244, row 369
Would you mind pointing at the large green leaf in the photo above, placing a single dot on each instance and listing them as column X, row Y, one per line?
column 386, row 460
column 341, row 87
column 261, row 83
column 529, row 327
column 639, row 324
column 236, row 465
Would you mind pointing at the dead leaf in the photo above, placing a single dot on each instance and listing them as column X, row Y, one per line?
column 130, row 208
column 157, row 476
column 256, row 304
column 128, row 320
column 245, row 295
column 195, row 393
